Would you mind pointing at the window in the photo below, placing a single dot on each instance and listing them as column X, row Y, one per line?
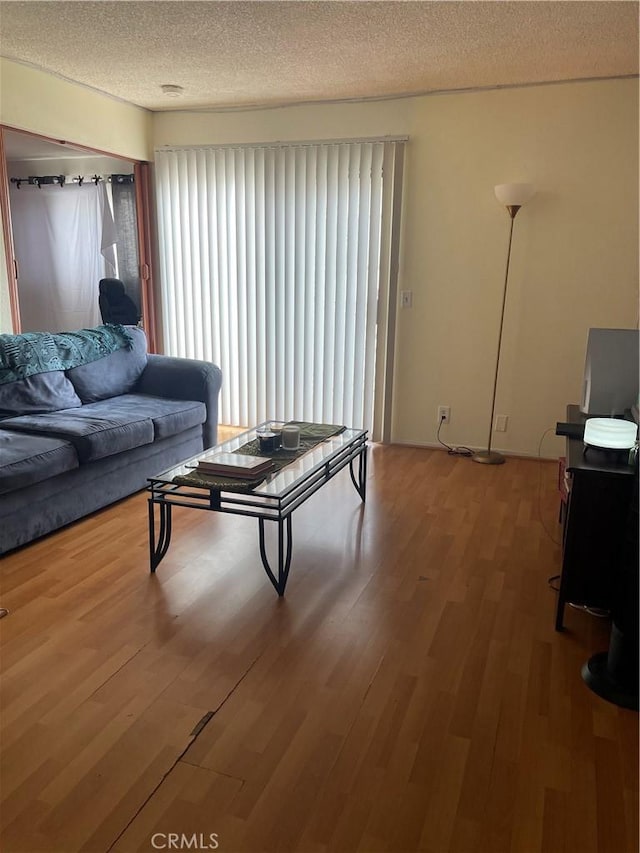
column 272, row 260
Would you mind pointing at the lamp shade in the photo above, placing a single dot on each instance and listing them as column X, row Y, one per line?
column 610, row 433
column 514, row 194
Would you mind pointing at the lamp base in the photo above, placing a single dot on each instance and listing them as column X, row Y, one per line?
column 488, row 457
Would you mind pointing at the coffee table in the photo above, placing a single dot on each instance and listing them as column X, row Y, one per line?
column 274, row 500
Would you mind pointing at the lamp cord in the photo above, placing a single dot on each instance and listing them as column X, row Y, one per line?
column 539, row 495
column 452, row 451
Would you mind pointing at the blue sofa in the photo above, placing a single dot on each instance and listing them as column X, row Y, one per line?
column 75, row 440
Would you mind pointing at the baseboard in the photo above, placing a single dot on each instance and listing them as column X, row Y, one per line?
column 514, row 454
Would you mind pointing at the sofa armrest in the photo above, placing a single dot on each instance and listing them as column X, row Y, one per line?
column 185, row 379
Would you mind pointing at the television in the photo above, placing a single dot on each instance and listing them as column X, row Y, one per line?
column 610, row 385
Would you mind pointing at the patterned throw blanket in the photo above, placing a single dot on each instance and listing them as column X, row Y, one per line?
column 41, row 352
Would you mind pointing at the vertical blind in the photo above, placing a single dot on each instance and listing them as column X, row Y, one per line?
column 270, row 267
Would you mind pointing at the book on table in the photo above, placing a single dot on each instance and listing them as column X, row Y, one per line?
column 235, row 465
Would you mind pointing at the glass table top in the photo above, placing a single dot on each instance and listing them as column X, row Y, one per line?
column 279, row 482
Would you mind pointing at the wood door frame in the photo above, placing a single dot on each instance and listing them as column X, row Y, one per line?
column 7, row 234
column 143, row 215
column 142, row 185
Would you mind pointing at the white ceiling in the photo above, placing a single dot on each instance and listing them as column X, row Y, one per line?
column 234, row 54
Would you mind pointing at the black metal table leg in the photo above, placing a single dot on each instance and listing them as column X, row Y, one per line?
column 361, row 483
column 284, row 553
column 158, row 549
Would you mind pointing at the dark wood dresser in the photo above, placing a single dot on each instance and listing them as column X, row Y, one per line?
column 600, row 485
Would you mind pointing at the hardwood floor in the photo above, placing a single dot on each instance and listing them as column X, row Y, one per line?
column 409, row 693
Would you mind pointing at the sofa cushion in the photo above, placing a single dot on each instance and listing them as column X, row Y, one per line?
column 42, row 392
column 169, row 416
column 96, row 429
column 29, row 459
column 114, row 374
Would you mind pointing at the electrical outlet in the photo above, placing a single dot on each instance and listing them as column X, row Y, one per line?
column 444, row 414
column 406, row 298
column 501, row 423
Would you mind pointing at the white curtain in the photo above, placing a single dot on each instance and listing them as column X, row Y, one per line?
column 64, row 241
column 270, row 266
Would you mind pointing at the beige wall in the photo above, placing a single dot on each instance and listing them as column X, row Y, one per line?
column 40, row 103
column 575, row 250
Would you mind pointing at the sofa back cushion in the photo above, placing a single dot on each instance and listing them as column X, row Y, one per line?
column 115, row 374
column 42, row 392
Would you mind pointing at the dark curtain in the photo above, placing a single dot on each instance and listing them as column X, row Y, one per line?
column 124, row 215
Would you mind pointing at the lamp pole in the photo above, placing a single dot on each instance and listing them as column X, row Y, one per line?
column 513, row 196
column 488, row 456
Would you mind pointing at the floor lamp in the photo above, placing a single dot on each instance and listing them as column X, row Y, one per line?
column 512, row 196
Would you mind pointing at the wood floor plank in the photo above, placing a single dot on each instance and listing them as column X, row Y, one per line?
column 409, row 693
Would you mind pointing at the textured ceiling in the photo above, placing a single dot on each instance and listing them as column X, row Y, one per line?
column 234, row 54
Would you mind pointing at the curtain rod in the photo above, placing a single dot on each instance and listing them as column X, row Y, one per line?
column 282, row 143
column 78, row 180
